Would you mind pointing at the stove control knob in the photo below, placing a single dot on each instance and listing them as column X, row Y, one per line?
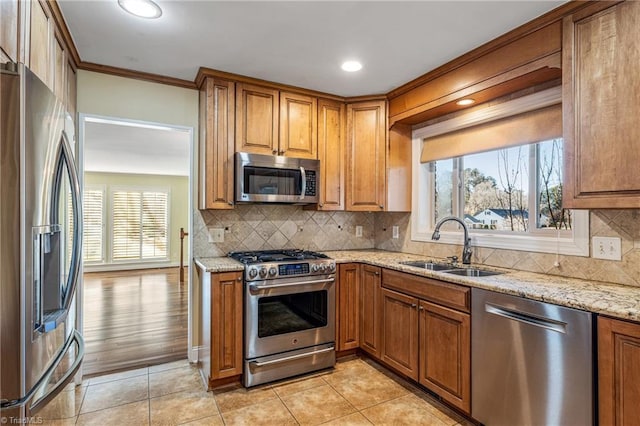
column 273, row 271
column 253, row 272
column 314, row 268
column 263, row 272
column 332, row 267
column 323, row 268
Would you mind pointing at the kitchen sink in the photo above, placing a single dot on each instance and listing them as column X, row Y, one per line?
column 471, row 272
column 431, row 266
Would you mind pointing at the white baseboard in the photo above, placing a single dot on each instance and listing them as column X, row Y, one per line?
column 129, row 266
column 194, row 354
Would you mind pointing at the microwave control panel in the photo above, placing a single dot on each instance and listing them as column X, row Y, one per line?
column 311, row 183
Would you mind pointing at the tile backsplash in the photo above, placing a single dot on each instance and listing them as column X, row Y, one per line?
column 269, row 226
column 264, row 226
column 624, row 224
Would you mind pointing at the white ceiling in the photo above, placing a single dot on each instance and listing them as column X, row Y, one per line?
column 301, row 43
column 129, row 148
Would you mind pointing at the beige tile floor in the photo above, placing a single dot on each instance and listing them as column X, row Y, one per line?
column 356, row 392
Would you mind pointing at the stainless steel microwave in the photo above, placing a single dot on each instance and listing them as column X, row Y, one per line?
column 276, row 179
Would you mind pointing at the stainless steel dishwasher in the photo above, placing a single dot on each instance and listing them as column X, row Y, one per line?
column 531, row 362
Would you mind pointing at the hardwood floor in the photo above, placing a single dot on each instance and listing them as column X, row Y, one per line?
column 133, row 319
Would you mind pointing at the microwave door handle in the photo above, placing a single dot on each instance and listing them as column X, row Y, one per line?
column 303, row 173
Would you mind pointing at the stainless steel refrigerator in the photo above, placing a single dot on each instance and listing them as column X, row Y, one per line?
column 40, row 246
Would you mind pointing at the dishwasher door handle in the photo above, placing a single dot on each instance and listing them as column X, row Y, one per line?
column 549, row 324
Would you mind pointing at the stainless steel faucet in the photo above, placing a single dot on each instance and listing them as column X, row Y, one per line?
column 466, row 251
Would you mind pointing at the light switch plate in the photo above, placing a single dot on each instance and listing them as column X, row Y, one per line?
column 395, row 232
column 358, row 231
column 609, row 248
column 216, row 235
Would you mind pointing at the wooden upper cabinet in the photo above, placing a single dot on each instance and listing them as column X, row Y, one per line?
column 618, row 372
column 298, row 123
column 366, row 155
column 601, row 88
column 71, row 96
column 217, row 117
column 370, row 309
column 9, row 30
column 59, row 69
column 257, row 119
column 40, row 42
column 445, row 353
column 348, row 330
column 331, row 153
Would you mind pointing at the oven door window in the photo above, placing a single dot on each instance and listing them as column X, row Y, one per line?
column 291, row 313
column 269, row 180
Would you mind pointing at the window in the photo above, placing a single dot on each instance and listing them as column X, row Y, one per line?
column 140, row 222
column 493, row 173
column 93, row 224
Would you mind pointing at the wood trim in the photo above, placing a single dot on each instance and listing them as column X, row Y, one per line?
column 365, row 98
column 138, row 75
column 61, row 25
column 548, row 18
column 204, row 72
column 216, row 383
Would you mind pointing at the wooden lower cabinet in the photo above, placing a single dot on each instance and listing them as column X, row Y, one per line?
column 618, row 372
column 400, row 332
column 445, row 353
column 370, row 309
column 348, row 301
column 222, row 316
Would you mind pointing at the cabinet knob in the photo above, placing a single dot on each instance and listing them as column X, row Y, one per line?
column 413, row 305
column 376, row 273
column 320, row 204
column 282, row 152
column 230, row 203
column 381, row 206
column 275, row 152
column 239, row 278
column 421, row 308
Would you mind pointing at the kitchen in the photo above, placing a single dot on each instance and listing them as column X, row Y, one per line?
column 252, row 227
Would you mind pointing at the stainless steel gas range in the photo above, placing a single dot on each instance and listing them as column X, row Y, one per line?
column 289, row 305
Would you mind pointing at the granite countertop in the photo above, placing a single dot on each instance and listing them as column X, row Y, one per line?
column 609, row 299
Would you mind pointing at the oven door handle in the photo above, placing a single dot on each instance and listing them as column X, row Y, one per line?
column 292, row 357
column 254, row 287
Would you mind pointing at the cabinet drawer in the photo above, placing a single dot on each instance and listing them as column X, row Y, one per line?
column 451, row 295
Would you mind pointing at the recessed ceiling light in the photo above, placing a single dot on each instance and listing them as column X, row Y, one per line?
column 464, row 102
column 141, row 8
column 351, row 66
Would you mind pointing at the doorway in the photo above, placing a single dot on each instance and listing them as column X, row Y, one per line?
column 137, row 202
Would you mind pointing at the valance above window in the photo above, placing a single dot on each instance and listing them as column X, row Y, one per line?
column 524, row 128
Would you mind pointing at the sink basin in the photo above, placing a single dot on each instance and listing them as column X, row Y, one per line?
column 432, row 266
column 471, row 272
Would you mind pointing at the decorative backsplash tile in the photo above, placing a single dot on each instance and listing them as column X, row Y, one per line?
column 265, row 226
column 268, row 226
column 624, row 224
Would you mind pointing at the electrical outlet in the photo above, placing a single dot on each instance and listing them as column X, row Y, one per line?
column 216, row 235
column 395, row 232
column 606, row 248
column 358, row 231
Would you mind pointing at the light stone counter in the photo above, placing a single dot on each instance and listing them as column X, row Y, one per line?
column 609, row 299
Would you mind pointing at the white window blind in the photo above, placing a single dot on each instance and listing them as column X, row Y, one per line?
column 139, row 225
column 93, row 225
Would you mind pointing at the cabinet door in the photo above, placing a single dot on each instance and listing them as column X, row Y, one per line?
column 445, row 353
column 71, row 90
column 348, row 306
column 9, row 30
column 400, row 332
column 618, row 372
column 59, row 69
column 600, row 106
column 226, row 324
column 256, row 119
column 40, row 45
column 298, row 124
column 370, row 307
column 217, row 113
column 331, row 152
column 366, row 151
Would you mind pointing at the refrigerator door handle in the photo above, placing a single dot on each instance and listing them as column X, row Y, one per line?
column 64, row 380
